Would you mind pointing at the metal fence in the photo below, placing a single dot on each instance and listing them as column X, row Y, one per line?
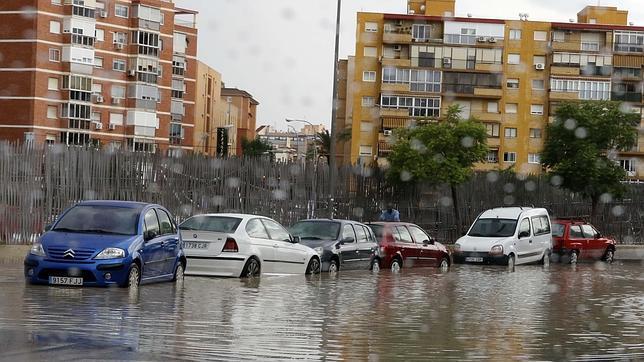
column 37, row 184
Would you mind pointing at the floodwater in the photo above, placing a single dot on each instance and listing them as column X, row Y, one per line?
column 587, row 312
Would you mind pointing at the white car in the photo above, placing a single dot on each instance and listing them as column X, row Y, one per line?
column 507, row 236
column 239, row 245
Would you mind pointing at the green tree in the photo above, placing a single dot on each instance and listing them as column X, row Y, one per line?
column 439, row 153
column 256, row 147
column 323, row 143
column 578, row 145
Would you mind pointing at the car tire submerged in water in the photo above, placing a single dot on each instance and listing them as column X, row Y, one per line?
column 179, row 273
column 333, row 266
column 609, row 256
column 375, row 265
column 396, row 265
column 574, row 257
column 133, row 277
column 444, row 264
column 251, row 269
column 314, row 266
column 511, row 262
column 545, row 260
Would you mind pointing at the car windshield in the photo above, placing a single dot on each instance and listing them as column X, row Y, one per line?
column 99, row 219
column 491, row 228
column 558, row 230
column 218, row 224
column 316, row 230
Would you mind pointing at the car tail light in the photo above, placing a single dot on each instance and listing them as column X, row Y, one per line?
column 230, row 246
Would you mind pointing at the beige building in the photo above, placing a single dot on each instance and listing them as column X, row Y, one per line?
column 508, row 74
column 207, row 109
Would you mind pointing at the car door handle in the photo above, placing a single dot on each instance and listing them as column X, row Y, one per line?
column 530, row 241
column 276, row 246
column 357, row 251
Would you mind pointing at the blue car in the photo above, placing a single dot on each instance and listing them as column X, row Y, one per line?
column 105, row 243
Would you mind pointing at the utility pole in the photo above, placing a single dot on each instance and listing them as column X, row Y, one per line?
column 334, row 110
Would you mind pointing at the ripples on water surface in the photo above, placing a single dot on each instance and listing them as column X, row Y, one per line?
column 468, row 313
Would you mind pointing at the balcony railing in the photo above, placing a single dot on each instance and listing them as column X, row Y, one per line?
column 626, row 96
column 628, row 48
column 83, row 40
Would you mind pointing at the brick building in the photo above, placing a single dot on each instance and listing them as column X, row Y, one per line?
column 108, row 73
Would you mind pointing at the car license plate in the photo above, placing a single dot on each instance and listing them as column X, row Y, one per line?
column 66, row 281
column 194, row 245
column 474, row 259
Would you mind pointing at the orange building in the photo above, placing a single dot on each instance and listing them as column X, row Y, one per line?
column 241, row 109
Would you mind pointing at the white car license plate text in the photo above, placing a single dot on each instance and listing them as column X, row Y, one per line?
column 194, row 245
column 474, row 259
column 65, row 281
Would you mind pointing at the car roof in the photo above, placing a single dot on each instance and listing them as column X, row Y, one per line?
column 331, row 220
column 509, row 212
column 236, row 215
column 116, row 203
column 569, row 221
column 395, row 223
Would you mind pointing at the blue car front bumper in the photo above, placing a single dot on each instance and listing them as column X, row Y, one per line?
column 100, row 273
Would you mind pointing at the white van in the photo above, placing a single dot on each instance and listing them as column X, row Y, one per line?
column 507, row 236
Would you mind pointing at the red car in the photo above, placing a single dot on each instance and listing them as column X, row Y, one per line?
column 574, row 240
column 407, row 245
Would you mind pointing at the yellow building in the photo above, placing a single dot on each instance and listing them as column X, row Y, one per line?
column 508, row 74
column 207, row 109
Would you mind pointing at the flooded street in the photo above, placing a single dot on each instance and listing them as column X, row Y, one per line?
column 589, row 312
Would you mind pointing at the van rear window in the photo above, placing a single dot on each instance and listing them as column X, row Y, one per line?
column 558, row 230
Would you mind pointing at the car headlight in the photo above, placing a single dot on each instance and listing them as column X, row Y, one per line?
column 496, row 249
column 37, row 249
column 457, row 248
column 319, row 250
column 111, row 253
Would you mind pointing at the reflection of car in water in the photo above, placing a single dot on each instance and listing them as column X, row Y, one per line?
column 575, row 240
column 407, row 245
column 506, row 236
column 102, row 243
column 342, row 244
column 241, row 245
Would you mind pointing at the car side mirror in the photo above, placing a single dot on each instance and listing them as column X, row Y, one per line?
column 347, row 240
column 295, row 239
column 149, row 235
column 598, row 236
column 428, row 242
column 48, row 227
column 524, row 234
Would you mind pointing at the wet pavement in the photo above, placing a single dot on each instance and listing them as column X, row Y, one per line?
column 588, row 312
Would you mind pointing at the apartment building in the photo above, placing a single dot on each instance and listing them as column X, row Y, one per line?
column 207, row 104
column 240, row 109
column 106, row 73
column 291, row 145
column 508, row 74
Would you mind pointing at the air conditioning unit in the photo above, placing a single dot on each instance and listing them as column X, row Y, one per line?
column 539, row 66
column 397, row 48
column 387, row 132
column 98, row 126
column 119, row 46
column 112, row 126
column 447, row 61
column 116, row 101
column 132, row 73
column 102, row 13
column 481, row 39
column 491, row 39
column 99, row 98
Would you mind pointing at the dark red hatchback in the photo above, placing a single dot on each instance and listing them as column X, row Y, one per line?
column 407, row 245
column 574, row 239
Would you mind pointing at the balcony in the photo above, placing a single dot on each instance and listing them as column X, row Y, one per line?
column 635, row 97
column 564, row 96
column 488, row 92
column 142, row 119
column 406, row 63
column 393, row 112
column 560, row 70
column 151, row 25
column 493, row 141
column 628, row 48
column 83, row 40
column 146, row 104
column 392, row 123
column 487, row 117
column 384, row 148
column 487, row 67
column 393, row 87
column 571, row 46
column 396, row 38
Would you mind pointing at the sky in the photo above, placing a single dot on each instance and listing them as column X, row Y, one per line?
column 281, row 51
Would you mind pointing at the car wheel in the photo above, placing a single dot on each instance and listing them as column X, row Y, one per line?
column 609, row 256
column 375, row 265
column 396, row 265
column 511, row 262
column 133, row 277
column 545, row 261
column 179, row 273
column 251, row 269
column 574, row 257
column 314, row 266
column 333, row 266
column 444, row 264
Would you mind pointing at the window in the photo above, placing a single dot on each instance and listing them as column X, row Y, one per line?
column 365, row 150
column 510, row 157
column 538, row 84
column 370, row 52
column 52, row 112
column 575, row 232
column 97, row 88
column 152, row 229
column 558, row 36
column 118, row 91
column 418, row 235
column 587, row 89
column 116, row 119
column 368, row 101
column 417, row 106
column 539, row 59
column 119, row 65
column 361, row 234
column 511, row 108
column 98, row 62
column 276, row 231
column 370, row 27
column 54, row 27
column 149, row 43
column 403, row 235
column 119, row 38
column 52, row 84
column 419, row 80
column 167, row 227
column 54, row 55
column 540, row 225
column 589, row 231
column 255, row 229
column 100, row 34
column 540, row 35
column 492, row 107
column 369, row 76
column 492, row 156
column 348, row 232
column 122, row 11
column 524, row 226
column 365, row 126
column 515, row 34
column 421, row 31
column 628, row 165
column 96, row 117
column 535, row 132
column 510, row 132
column 534, row 158
column 492, row 129
column 536, row 109
column 514, row 58
column 512, row 83
column 56, row 2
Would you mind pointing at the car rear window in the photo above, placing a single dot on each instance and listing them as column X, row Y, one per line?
column 316, row 230
column 558, row 230
column 379, row 230
column 100, row 220
column 218, row 224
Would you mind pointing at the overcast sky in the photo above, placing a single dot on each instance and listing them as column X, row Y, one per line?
column 281, row 51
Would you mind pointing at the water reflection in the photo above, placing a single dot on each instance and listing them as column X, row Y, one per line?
column 561, row 312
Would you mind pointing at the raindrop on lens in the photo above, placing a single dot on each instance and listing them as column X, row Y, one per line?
column 492, row 177
column 556, row 180
column 570, row 124
column 508, row 200
column 530, row 186
column 508, row 188
column 446, row 201
column 405, row 176
column 279, row 195
column 581, row 133
column 606, row 198
column 618, row 210
column 467, row 142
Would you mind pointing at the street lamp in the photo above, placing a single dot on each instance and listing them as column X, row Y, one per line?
column 315, row 167
column 297, row 143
